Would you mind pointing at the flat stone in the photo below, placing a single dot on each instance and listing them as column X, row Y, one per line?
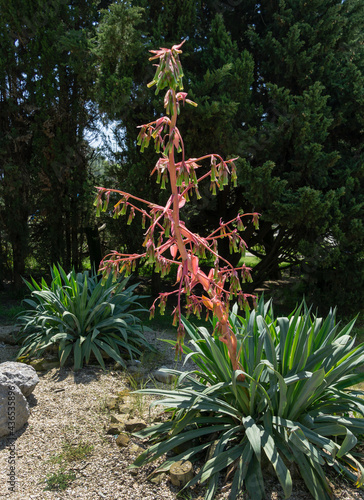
column 114, row 429
column 37, row 364
column 14, row 409
column 119, row 419
column 135, row 425
column 135, row 369
column 134, row 362
column 123, row 394
column 50, row 365
column 44, row 364
column 20, row 374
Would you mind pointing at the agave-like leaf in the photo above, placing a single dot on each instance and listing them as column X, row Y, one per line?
column 348, row 444
column 79, row 305
column 252, row 432
column 54, row 338
column 241, row 470
column 159, row 449
column 350, row 361
column 271, row 451
column 254, row 480
column 113, row 354
column 30, row 303
column 97, row 353
column 87, row 349
column 303, row 338
column 304, row 394
column 77, row 354
column 217, row 464
column 300, row 441
column 65, row 353
column 300, row 368
column 313, row 476
column 288, row 348
column 269, row 349
column 72, row 321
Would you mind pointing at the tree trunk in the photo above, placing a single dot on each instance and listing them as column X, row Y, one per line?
column 94, row 246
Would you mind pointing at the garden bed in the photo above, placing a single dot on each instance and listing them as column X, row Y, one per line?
column 66, row 439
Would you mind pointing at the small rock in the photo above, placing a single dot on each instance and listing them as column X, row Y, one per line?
column 134, row 448
column 50, row 364
column 24, row 376
column 8, row 333
column 158, row 479
column 112, row 402
column 119, row 419
column 43, row 364
column 125, row 408
column 37, row 364
column 162, row 375
column 135, row 425
column 123, row 440
column 134, row 369
column 114, row 429
column 122, row 394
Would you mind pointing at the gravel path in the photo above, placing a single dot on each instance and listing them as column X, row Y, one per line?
column 69, row 411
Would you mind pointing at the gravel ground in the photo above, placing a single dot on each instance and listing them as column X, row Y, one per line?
column 69, row 411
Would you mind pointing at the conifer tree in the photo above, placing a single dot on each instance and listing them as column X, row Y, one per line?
column 45, row 77
column 280, row 84
column 309, row 81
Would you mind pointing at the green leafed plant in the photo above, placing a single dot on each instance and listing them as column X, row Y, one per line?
column 82, row 315
column 294, row 408
column 59, row 480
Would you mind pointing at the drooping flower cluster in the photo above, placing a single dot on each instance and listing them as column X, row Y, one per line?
column 167, row 239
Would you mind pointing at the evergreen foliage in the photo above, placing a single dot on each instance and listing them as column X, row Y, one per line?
column 281, row 85
column 309, row 81
column 278, row 83
column 45, row 81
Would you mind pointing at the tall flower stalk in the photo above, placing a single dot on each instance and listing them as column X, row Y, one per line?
column 167, row 239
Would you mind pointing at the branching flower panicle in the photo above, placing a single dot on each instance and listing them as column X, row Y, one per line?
column 167, row 239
